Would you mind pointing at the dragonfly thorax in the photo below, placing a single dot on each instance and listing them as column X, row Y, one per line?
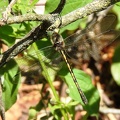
column 59, row 45
column 57, row 41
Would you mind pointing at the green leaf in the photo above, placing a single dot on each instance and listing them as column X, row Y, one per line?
column 70, row 5
column 6, row 33
column 55, row 110
column 32, row 113
column 9, row 33
column 24, row 6
column 116, row 9
column 34, row 110
column 10, row 83
column 115, row 67
column 86, row 85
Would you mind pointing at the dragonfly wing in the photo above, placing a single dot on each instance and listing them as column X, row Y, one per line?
column 30, row 65
column 94, row 38
column 104, row 39
column 31, row 58
column 102, row 24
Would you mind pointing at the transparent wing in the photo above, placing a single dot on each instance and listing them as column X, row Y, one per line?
column 85, row 43
column 48, row 56
column 30, row 65
column 94, row 38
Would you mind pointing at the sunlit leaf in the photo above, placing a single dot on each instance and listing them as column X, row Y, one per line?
column 10, row 83
column 116, row 9
column 86, row 85
column 3, row 5
column 70, row 5
column 115, row 67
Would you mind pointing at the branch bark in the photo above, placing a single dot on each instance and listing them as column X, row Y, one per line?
column 95, row 6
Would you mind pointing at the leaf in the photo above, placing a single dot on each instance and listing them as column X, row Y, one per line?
column 9, row 33
column 86, row 85
column 24, row 6
column 115, row 67
column 10, row 83
column 6, row 34
column 34, row 110
column 116, row 9
column 70, row 5
column 55, row 110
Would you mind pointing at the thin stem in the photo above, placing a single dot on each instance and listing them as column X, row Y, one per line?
column 49, row 80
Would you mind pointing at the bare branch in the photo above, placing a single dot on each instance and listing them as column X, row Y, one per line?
column 95, row 6
column 29, row 17
column 106, row 110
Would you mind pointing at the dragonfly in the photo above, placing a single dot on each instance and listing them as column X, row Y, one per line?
column 83, row 39
column 58, row 44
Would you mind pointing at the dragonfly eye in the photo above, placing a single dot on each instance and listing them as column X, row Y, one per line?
column 57, row 44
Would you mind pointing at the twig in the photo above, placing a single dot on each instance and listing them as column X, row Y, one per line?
column 95, row 6
column 106, row 110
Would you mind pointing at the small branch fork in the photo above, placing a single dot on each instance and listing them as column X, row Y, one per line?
column 37, row 33
column 95, row 6
column 8, row 10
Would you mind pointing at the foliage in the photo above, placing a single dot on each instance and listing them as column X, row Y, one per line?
column 11, row 83
column 3, row 5
column 116, row 9
column 85, row 82
column 115, row 68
